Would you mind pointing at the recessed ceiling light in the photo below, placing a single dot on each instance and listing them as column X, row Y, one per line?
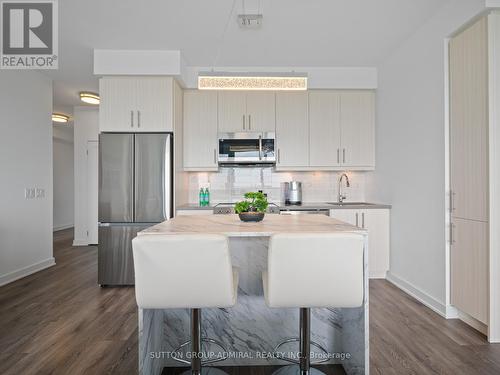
column 251, row 81
column 90, row 98
column 60, row 117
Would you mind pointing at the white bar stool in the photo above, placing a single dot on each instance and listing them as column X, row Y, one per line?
column 310, row 270
column 186, row 271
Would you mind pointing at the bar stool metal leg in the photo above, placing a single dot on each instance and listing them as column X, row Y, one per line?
column 195, row 341
column 305, row 340
column 304, row 361
column 196, row 349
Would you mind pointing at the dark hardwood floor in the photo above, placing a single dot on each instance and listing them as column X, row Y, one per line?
column 58, row 321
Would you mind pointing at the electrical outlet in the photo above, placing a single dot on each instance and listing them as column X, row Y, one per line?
column 40, row 193
column 29, row 193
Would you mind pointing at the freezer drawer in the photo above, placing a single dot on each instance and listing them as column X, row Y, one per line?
column 116, row 263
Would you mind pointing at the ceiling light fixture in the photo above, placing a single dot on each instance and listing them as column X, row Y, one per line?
column 252, row 81
column 90, row 98
column 60, row 117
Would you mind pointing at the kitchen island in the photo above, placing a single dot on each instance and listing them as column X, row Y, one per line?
column 250, row 330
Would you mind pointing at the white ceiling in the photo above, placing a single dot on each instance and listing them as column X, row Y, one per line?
column 294, row 33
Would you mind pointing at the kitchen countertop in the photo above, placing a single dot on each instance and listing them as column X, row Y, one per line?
column 232, row 226
column 305, row 206
column 194, row 206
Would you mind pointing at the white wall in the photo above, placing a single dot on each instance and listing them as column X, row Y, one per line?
column 86, row 128
column 63, row 151
column 25, row 162
column 410, row 170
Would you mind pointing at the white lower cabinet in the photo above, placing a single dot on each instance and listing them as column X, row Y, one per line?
column 377, row 222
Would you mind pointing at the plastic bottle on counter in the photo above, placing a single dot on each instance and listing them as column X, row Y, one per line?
column 201, row 197
column 207, row 197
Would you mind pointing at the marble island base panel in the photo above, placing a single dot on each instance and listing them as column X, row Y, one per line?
column 250, row 330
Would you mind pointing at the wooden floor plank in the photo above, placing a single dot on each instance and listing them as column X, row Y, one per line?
column 59, row 321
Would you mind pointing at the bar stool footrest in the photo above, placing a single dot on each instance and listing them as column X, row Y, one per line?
column 277, row 354
column 203, row 362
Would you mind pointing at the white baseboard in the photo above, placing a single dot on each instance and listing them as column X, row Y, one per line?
column 419, row 295
column 452, row 312
column 378, row 275
column 62, row 227
column 26, row 271
column 473, row 322
column 80, row 242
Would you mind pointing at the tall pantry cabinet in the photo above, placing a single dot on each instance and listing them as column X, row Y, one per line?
column 471, row 62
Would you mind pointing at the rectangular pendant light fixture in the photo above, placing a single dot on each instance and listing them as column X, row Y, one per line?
column 252, row 81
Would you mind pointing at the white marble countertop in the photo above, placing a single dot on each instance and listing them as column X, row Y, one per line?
column 303, row 206
column 232, row 226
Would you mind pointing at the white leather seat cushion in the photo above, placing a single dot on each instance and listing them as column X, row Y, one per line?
column 314, row 270
column 183, row 271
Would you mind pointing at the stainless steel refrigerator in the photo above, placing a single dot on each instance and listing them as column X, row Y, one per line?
column 135, row 192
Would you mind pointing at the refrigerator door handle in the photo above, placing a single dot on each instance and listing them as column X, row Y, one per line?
column 166, row 180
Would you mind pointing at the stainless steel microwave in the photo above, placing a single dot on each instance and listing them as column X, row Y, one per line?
column 247, row 148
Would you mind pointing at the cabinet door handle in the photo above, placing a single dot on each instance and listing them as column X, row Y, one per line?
column 279, row 158
column 363, row 220
column 249, row 122
column 343, row 155
column 357, row 219
column 131, row 119
column 138, row 119
column 215, row 156
column 452, row 201
column 243, row 122
column 338, row 156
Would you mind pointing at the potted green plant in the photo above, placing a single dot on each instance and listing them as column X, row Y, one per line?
column 253, row 207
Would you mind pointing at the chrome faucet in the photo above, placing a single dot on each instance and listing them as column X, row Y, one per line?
column 347, row 184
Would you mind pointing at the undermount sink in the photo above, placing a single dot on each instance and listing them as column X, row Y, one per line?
column 350, row 204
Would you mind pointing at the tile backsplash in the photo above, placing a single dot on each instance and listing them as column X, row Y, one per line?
column 230, row 183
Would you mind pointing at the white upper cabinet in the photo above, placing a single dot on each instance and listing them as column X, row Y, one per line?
column 200, row 130
column 232, row 111
column 118, row 104
column 261, row 111
column 154, row 104
column 136, row 104
column 357, row 119
column 241, row 111
column 324, row 128
column 292, row 130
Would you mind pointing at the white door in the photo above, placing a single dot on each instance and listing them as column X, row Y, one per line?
column 154, row 104
column 357, row 120
column 292, row 130
column 200, row 130
column 92, row 191
column 117, row 110
column 232, row 111
column 324, row 128
column 261, row 111
column 377, row 222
